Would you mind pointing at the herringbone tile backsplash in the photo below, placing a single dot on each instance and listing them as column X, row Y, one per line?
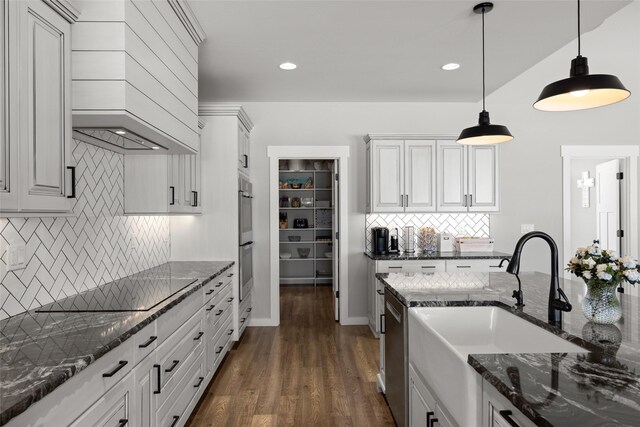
column 68, row 255
column 476, row 225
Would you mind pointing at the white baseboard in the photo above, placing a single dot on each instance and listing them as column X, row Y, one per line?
column 265, row 321
column 349, row 321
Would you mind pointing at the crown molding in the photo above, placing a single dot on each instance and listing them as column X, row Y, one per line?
column 406, row 136
column 66, row 8
column 188, row 19
column 211, row 109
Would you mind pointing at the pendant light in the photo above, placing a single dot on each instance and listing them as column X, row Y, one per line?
column 484, row 133
column 581, row 90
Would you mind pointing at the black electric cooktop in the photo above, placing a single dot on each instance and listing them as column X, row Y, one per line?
column 128, row 294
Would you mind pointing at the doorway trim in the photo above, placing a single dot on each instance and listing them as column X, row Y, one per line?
column 330, row 152
column 628, row 154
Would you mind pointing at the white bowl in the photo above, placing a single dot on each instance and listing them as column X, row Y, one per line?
column 328, row 254
column 285, row 255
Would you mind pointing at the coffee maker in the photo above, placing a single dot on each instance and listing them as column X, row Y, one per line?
column 380, row 240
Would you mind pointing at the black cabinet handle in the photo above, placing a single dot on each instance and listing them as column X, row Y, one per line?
column 173, row 366
column 243, row 319
column 230, row 275
column 246, row 161
column 175, row 420
column 173, row 195
column 158, row 391
column 73, row 182
column 433, row 421
column 429, row 415
column 210, row 291
column 219, row 350
column 230, row 332
column 121, row 364
column 197, row 338
column 148, row 342
column 230, row 299
column 219, row 312
column 463, row 266
column 211, row 307
column 200, row 379
column 123, row 422
column 219, row 284
column 249, row 309
column 379, row 292
column 382, row 324
column 506, row 414
column 398, row 267
column 195, row 199
column 428, row 266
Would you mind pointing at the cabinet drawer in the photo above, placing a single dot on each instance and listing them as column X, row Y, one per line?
column 168, row 324
column 173, row 414
column 216, row 287
column 475, row 265
column 144, row 342
column 411, row 266
column 110, row 410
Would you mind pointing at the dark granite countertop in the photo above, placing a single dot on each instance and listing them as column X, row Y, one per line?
column 40, row 351
column 598, row 388
column 437, row 256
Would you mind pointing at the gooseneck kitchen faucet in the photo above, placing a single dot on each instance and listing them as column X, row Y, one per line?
column 558, row 301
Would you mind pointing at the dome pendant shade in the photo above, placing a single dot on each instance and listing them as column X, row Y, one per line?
column 484, row 133
column 582, row 90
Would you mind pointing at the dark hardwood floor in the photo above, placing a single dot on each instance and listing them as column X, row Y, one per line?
column 309, row 371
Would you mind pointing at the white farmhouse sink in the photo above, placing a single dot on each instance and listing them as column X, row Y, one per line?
column 441, row 339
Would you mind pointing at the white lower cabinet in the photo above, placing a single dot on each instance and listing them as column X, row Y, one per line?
column 112, row 409
column 475, row 266
column 424, row 409
column 497, row 411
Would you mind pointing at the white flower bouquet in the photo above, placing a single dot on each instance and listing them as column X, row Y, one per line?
column 603, row 268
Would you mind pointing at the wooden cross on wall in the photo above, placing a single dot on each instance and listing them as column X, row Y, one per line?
column 585, row 183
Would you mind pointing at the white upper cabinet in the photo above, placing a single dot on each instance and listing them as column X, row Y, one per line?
column 420, row 177
column 387, row 173
column 36, row 173
column 401, row 175
column 467, row 178
column 244, row 164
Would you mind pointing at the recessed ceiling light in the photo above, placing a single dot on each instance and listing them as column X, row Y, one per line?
column 288, row 66
column 121, row 132
column 450, row 66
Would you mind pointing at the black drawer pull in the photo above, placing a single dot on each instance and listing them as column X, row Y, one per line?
column 219, row 284
column 249, row 309
column 73, row 182
column 219, row 350
column 506, row 414
column 175, row 421
column 495, row 266
column 433, row 421
column 148, row 342
column 230, row 332
column 230, row 275
column 209, row 292
column 211, row 307
column 123, row 422
column 396, row 266
column 428, row 266
column 243, row 319
column 463, row 266
column 173, row 366
column 200, row 334
column 200, row 379
column 219, row 312
column 230, row 299
column 159, row 390
column 429, row 415
column 121, row 364
column 379, row 292
column 382, row 330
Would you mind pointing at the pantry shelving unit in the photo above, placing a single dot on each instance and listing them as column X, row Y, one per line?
column 317, row 268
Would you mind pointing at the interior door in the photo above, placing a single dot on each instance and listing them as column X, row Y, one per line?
column 336, row 248
column 608, row 204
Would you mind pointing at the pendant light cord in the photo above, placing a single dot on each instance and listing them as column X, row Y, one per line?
column 483, row 78
column 578, row 27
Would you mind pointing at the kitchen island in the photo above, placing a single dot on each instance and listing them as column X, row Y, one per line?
column 595, row 388
column 42, row 351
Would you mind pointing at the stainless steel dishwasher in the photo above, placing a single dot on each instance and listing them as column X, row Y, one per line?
column 395, row 356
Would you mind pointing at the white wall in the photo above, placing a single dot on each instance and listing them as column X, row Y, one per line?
column 335, row 124
column 531, row 166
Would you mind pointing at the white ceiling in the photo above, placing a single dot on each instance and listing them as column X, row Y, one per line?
column 378, row 50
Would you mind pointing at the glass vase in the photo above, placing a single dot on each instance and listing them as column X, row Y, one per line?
column 600, row 304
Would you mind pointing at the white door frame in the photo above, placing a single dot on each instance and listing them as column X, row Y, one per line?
column 275, row 153
column 628, row 154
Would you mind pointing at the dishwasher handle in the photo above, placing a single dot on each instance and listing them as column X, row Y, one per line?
column 394, row 312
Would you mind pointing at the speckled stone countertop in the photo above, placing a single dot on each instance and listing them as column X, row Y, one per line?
column 40, row 351
column 437, row 256
column 598, row 388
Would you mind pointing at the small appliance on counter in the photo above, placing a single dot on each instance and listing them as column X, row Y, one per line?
column 393, row 245
column 409, row 240
column 380, row 240
column 446, row 242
